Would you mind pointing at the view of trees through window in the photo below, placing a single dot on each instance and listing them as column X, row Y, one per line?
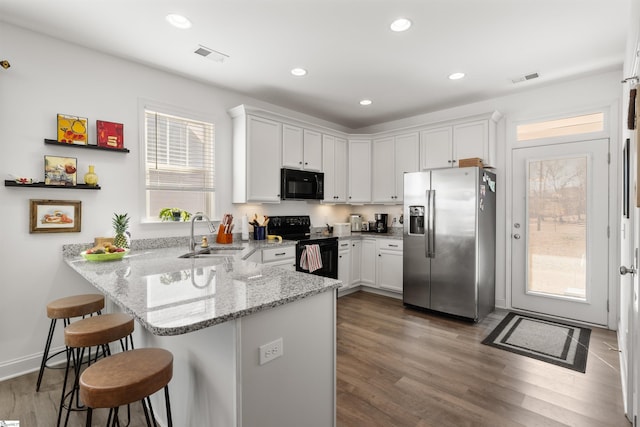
column 557, row 226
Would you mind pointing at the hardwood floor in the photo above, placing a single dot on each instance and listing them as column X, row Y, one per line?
column 402, row 367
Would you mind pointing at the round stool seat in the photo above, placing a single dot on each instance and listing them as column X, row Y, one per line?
column 98, row 330
column 75, row 306
column 126, row 377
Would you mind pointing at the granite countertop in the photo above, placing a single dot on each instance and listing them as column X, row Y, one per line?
column 169, row 295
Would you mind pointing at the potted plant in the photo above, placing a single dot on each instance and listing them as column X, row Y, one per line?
column 174, row 214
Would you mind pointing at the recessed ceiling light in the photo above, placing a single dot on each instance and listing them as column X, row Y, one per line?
column 400, row 24
column 366, row 102
column 299, row 72
column 178, row 21
column 456, row 76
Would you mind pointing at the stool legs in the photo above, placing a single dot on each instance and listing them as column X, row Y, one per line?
column 114, row 412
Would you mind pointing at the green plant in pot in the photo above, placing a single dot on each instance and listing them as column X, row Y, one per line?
column 174, row 214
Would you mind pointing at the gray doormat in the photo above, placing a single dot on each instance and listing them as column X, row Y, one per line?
column 552, row 342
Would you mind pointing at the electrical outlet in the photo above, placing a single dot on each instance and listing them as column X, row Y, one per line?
column 270, row 351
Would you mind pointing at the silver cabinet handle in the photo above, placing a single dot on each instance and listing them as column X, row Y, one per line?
column 624, row 270
column 516, row 236
column 281, row 253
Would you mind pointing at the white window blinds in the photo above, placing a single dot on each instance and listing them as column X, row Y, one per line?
column 179, row 163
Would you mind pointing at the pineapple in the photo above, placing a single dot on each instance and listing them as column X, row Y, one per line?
column 120, row 225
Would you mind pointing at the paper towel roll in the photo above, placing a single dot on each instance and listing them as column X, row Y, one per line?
column 245, row 227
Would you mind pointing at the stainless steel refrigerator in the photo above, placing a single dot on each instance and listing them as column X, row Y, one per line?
column 449, row 241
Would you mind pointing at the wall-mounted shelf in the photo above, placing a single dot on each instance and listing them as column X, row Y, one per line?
column 9, row 183
column 90, row 147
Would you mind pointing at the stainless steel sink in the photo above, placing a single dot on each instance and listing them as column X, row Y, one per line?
column 212, row 252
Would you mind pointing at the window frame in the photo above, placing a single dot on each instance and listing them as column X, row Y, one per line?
column 145, row 105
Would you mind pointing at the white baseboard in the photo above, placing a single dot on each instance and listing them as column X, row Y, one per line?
column 27, row 364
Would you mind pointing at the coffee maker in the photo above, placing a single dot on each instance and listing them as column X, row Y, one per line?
column 381, row 223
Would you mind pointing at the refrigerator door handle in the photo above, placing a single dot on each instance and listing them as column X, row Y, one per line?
column 427, row 236
column 432, row 224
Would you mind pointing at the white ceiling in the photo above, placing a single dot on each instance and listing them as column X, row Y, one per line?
column 347, row 46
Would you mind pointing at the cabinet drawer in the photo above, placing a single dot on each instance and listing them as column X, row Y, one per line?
column 393, row 245
column 279, row 253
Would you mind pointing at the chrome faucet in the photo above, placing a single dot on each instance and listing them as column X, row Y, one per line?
column 212, row 228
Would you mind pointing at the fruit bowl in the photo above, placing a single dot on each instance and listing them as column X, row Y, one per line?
column 112, row 256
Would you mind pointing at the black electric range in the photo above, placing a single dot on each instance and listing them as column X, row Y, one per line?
column 298, row 228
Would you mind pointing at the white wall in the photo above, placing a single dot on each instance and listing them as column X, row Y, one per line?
column 49, row 77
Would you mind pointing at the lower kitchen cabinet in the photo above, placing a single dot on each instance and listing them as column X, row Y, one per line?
column 356, row 261
column 389, row 265
column 344, row 263
column 368, row 264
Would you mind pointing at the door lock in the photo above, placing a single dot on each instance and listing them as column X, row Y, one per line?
column 624, row 270
column 516, row 236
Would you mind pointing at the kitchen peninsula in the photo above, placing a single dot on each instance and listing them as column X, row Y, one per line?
column 214, row 314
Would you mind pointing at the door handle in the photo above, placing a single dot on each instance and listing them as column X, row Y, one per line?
column 516, row 236
column 624, row 270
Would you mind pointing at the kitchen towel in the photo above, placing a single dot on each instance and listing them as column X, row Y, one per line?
column 310, row 258
column 631, row 116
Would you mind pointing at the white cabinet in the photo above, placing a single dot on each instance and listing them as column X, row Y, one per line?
column 256, row 157
column 334, row 164
column 301, row 148
column 281, row 256
column 444, row 146
column 356, row 261
column 368, row 264
column 436, row 148
column 389, row 265
column 392, row 157
column 359, row 171
column 344, row 263
column 471, row 140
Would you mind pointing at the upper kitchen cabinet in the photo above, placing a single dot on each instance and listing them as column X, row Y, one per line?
column 301, row 148
column 392, row 157
column 334, row 163
column 257, row 151
column 359, row 171
column 444, row 146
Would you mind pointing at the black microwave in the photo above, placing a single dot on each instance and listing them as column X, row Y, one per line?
column 301, row 185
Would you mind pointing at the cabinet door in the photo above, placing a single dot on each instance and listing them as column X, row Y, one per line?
column 292, row 147
column 407, row 160
column 436, row 148
column 383, row 179
column 368, row 265
column 312, row 151
column 340, row 170
column 389, row 270
column 344, row 268
column 356, row 261
column 328, row 167
column 264, row 138
column 471, row 140
column 359, row 171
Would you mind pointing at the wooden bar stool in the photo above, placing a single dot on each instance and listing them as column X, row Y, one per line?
column 97, row 331
column 65, row 309
column 126, row 378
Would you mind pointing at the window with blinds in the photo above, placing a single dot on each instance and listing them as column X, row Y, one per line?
column 179, row 164
column 574, row 125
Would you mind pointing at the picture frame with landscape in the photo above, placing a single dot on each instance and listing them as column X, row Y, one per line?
column 55, row 216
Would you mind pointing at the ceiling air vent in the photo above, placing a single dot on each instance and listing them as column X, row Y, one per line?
column 525, row 78
column 210, row 54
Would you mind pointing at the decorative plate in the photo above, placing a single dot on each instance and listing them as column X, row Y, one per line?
column 104, row 257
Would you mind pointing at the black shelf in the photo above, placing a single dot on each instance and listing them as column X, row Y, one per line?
column 90, row 147
column 10, row 183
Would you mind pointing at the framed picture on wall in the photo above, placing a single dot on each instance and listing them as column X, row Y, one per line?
column 55, row 216
column 110, row 135
column 60, row 170
column 72, row 129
